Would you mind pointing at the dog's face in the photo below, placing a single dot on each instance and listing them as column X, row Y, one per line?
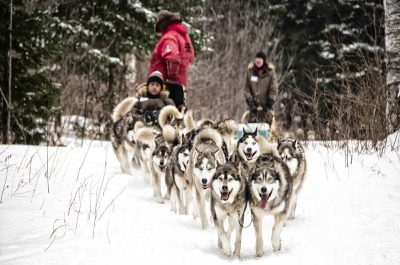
column 204, row 168
column 183, row 156
column 264, row 185
column 248, row 147
column 288, row 150
column 226, row 183
column 161, row 158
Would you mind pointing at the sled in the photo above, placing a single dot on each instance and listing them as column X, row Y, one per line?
column 263, row 129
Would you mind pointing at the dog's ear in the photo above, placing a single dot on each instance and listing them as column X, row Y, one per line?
column 279, row 142
column 244, row 131
column 255, row 132
column 218, row 163
column 294, row 144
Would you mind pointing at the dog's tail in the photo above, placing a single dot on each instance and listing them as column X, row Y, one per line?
column 167, row 114
column 123, row 107
column 146, row 135
column 205, row 123
column 207, row 135
column 266, row 147
column 188, row 121
column 227, row 127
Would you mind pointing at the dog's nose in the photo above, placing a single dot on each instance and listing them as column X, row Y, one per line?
column 263, row 189
column 204, row 181
column 161, row 163
column 224, row 187
column 248, row 150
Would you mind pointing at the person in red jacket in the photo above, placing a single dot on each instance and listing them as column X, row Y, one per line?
column 172, row 55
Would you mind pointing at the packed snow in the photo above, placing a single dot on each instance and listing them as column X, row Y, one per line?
column 71, row 205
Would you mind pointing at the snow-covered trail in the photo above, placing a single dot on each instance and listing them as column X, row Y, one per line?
column 345, row 215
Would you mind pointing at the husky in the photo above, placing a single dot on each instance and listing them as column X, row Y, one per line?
column 125, row 122
column 249, row 148
column 207, row 150
column 292, row 153
column 270, row 192
column 159, row 160
column 145, row 141
column 228, row 201
column 178, row 185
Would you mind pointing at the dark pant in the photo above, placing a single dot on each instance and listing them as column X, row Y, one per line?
column 176, row 93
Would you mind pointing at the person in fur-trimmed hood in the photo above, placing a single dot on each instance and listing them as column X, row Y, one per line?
column 152, row 97
column 261, row 86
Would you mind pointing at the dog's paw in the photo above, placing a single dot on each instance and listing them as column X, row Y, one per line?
column 236, row 253
column 204, row 226
column 159, row 200
column 227, row 251
column 276, row 246
column 182, row 211
column 259, row 253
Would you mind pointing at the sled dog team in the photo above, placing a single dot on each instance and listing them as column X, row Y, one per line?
column 203, row 165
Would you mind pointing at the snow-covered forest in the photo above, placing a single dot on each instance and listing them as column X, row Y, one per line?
column 65, row 196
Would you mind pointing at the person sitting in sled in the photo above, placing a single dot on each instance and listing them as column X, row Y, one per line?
column 152, row 98
column 172, row 55
column 261, row 89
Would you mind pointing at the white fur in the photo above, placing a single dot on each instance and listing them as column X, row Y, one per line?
column 123, row 107
column 166, row 113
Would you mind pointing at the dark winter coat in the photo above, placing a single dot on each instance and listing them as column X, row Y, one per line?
column 261, row 86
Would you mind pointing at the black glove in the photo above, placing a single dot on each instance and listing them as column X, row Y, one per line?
column 268, row 104
column 252, row 106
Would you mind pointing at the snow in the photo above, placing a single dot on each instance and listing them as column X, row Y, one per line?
column 346, row 215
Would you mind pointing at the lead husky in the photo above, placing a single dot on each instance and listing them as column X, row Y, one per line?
column 207, row 150
column 228, row 200
column 158, row 163
column 175, row 179
column 292, row 153
column 270, row 191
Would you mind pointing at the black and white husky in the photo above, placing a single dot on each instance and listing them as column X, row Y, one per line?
column 159, row 160
column 178, row 185
column 249, row 148
column 270, row 192
column 207, row 150
column 292, row 153
column 228, row 201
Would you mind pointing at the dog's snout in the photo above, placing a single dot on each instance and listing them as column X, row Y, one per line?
column 224, row 187
column 263, row 189
column 248, row 149
column 204, row 181
column 161, row 162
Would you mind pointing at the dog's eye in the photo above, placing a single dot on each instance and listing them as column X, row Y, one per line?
column 259, row 179
column 270, row 179
column 220, row 179
column 289, row 158
column 201, row 167
column 230, row 179
column 254, row 143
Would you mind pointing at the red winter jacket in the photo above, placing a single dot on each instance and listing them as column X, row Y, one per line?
column 173, row 54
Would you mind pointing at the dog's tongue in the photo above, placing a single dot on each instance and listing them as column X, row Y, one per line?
column 224, row 196
column 264, row 201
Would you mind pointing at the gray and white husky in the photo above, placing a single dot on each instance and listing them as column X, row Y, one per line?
column 228, row 201
column 178, row 185
column 292, row 153
column 158, row 164
column 207, row 150
column 270, row 192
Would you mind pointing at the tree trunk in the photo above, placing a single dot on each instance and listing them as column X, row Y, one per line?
column 392, row 45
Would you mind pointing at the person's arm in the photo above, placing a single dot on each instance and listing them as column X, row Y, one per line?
column 170, row 53
column 273, row 90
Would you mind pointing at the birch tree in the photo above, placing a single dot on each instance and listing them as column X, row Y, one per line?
column 392, row 45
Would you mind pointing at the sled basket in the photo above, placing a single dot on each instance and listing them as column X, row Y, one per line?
column 262, row 129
